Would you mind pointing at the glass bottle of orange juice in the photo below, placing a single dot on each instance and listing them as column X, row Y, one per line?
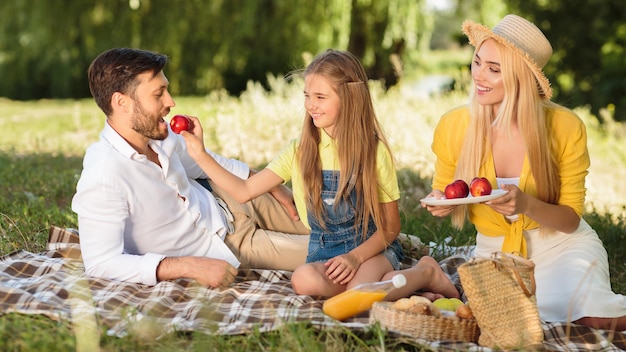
column 360, row 298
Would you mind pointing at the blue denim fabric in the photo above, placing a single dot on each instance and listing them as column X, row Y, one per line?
column 341, row 236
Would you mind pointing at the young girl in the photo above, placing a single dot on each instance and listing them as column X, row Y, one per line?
column 344, row 184
column 512, row 134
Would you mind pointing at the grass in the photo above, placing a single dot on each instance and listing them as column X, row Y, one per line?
column 41, row 148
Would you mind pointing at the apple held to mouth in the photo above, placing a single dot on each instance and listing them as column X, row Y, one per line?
column 457, row 189
column 180, row 123
column 480, row 186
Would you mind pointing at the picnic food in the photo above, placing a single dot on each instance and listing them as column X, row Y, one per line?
column 457, row 189
column 180, row 123
column 449, row 304
column 423, row 309
column 480, row 186
column 464, row 312
column 423, row 320
column 416, row 304
column 409, row 302
column 402, row 304
column 423, row 306
column 457, row 302
column 444, row 304
column 360, row 298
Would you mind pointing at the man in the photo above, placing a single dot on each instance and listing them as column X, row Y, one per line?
column 143, row 217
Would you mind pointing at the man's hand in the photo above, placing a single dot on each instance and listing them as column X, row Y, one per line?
column 215, row 273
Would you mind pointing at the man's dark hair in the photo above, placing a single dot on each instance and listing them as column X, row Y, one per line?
column 115, row 70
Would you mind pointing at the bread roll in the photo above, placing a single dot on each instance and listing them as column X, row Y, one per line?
column 464, row 312
column 417, row 305
column 402, row 304
column 421, row 308
column 419, row 299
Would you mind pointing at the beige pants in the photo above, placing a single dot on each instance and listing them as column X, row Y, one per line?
column 265, row 236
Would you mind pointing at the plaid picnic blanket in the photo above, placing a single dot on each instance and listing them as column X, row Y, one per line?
column 53, row 283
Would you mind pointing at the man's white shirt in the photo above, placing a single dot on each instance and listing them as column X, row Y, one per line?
column 133, row 213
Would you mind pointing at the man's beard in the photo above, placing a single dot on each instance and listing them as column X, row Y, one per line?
column 147, row 125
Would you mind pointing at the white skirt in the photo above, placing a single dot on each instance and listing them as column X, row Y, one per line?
column 571, row 272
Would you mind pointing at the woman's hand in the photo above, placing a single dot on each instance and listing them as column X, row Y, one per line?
column 342, row 268
column 512, row 203
column 194, row 138
column 438, row 210
column 554, row 216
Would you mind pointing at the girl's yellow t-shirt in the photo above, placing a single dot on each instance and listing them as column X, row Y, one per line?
column 285, row 165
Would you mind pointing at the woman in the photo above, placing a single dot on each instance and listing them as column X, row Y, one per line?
column 512, row 134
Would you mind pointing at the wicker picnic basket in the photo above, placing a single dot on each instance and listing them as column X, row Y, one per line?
column 428, row 327
column 501, row 292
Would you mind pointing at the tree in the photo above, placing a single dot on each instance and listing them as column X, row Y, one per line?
column 382, row 31
column 589, row 40
column 45, row 49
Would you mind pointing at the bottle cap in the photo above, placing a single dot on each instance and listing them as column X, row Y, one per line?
column 398, row 281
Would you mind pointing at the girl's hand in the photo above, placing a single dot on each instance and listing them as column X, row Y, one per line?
column 438, row 210
column 194, row 138
column 341, row 269
column 514, row 202
column 285, row 197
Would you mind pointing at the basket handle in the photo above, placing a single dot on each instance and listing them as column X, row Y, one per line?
column 508, row 261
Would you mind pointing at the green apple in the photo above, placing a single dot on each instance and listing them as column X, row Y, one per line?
column 445, row 304
column 456, row 302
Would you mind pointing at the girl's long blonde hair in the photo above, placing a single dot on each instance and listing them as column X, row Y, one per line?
column 357, row 134
column 523, row 104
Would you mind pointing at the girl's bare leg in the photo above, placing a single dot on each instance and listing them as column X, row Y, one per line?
column 310, row 279
column 427, row 276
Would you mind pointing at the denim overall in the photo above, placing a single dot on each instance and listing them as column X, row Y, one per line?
column 341, row 236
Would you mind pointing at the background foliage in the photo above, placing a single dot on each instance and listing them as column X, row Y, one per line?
column 589, row 41
column 46, row 46
column 227, row 59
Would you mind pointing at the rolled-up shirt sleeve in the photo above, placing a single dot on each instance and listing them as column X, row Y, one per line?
column 193, row 170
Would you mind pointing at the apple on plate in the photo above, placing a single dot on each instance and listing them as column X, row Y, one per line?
column 457, row 189
column 180, row 123
column 480, row 186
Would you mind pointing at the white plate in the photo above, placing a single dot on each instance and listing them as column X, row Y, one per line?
column 496, row 193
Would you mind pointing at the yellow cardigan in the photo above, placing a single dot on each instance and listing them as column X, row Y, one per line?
column 570, row 149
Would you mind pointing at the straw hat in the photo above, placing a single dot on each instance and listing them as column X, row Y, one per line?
column 522, row 37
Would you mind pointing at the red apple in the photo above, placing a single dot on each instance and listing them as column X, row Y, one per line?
column 464, row 185
column 480, row 186
column 457, row 189
column 180, row 123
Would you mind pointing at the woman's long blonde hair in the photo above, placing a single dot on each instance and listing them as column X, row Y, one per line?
column 522, row 103
column 357, row 134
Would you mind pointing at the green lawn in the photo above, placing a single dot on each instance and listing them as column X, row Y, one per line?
column 41, row 147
